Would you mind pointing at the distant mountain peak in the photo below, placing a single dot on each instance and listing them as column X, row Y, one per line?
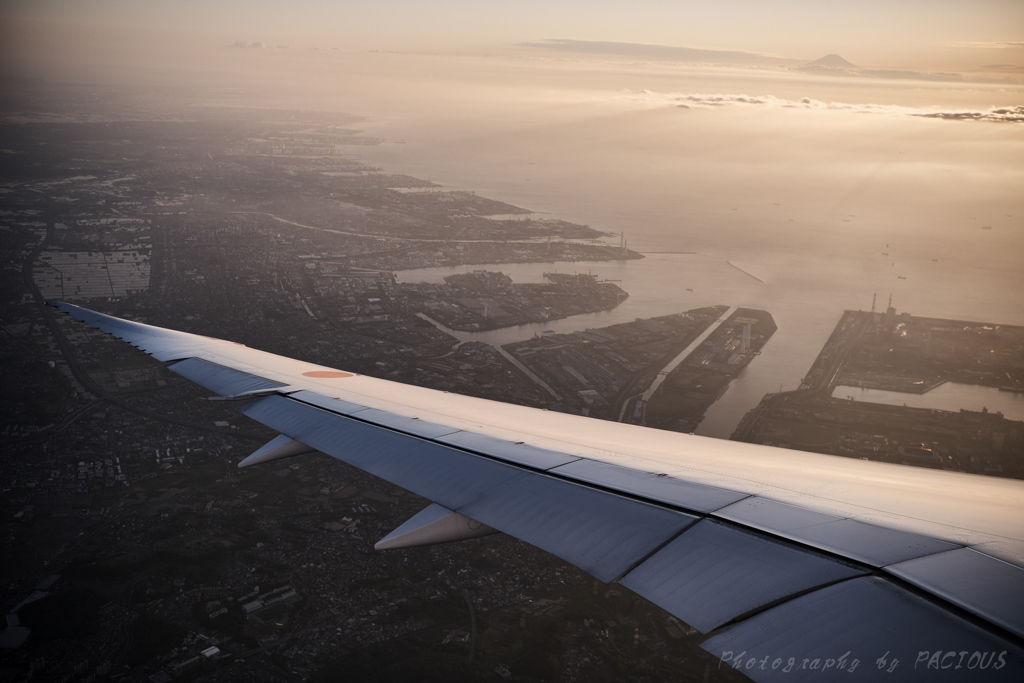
column 832, row 62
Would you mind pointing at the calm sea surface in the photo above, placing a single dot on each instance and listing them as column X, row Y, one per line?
column 804, row 230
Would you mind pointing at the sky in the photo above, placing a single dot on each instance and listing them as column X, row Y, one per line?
column 119, row 39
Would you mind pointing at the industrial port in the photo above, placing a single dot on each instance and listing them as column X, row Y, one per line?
column 874, row 356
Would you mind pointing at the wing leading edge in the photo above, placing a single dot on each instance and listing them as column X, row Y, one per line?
column 819, row 572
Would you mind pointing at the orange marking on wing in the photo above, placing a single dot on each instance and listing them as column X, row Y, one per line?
column 326, row 374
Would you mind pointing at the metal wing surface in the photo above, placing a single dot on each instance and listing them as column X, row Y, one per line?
column 798, row 566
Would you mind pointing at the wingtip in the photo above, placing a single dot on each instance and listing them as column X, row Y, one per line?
column 76, row 312
column 62, row 306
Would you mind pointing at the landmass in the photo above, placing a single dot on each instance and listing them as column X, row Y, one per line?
column 134, row 547
column 596, row 371
column 689, row 390
column 484, row 300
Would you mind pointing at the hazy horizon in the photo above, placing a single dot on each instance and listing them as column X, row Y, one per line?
column 118, row 40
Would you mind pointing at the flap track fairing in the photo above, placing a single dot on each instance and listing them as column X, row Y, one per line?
column 282, row 446
column 434, row 524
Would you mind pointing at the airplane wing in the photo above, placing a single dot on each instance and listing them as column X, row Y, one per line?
column 797, row 566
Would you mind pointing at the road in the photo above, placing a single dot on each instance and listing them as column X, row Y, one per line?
column 508, row 356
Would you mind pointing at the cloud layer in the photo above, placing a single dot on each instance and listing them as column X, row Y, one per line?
column 711, row 101
column 989, row 45
column 1006, row 114
column 660, row 52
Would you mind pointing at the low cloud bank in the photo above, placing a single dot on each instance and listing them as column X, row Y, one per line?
column 1011, row 114
column 712, row 101
column 256, row 46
